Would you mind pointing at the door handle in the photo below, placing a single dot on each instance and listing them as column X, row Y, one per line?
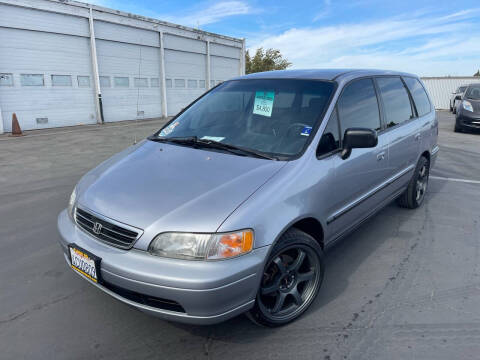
column 418, row 136
column 381, row 156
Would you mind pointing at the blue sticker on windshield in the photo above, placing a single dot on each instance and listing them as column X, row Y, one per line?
column 306, row 131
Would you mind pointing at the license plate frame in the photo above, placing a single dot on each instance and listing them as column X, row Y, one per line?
column 89, row 260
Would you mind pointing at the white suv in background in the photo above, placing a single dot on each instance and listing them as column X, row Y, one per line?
column 456, row 97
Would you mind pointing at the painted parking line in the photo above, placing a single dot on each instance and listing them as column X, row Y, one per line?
column 457, row 180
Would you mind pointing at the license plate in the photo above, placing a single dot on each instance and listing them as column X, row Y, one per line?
column 85, row 263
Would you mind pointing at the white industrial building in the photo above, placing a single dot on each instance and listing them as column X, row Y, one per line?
column 66, row 63
column 441, row 88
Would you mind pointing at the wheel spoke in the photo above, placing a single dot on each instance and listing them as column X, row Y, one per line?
column 279, row 302
column 305, row 276
column 297, row 298
column 280, row 265
column 270, row 289
column 298, row 261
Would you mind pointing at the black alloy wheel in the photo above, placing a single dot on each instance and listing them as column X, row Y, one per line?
column 291, row 280
column 413, row 197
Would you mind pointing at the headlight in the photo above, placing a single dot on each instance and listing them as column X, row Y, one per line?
column 202, row 246
column 71, row 202
column 467, row 105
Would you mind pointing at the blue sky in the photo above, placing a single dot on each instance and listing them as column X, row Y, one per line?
column 429, row 38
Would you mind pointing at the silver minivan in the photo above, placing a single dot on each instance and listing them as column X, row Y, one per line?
column 230, row 207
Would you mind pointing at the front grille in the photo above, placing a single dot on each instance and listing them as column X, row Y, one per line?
column 106, row 232
column 152, row 301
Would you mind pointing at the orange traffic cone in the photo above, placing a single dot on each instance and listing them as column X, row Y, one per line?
column 16, row 130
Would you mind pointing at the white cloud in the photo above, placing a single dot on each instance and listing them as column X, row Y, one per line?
column 213, row 13
column 425, row 44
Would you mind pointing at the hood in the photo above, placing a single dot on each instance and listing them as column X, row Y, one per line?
column 168, row 187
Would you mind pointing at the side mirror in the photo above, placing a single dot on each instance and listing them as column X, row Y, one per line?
column 356, row 138
column 458, row 97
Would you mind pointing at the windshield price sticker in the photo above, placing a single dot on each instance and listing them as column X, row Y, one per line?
column 263, row 103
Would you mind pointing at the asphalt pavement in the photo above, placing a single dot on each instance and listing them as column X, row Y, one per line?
column 405, row 285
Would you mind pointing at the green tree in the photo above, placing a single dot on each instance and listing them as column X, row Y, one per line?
column 477, row 73
column 265, row 60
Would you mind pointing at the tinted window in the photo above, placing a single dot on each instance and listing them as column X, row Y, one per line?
column 358, row 106
column 330, row 139
column 419, row 95
column 473, row 92
column 395, row 100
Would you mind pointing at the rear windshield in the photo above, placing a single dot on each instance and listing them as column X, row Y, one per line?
column 274, row 116
column 473, row 92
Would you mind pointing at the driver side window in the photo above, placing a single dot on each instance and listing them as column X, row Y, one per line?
column 358, row 106
column 330, row 140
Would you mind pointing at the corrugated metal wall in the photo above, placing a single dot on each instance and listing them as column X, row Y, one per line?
column 47, row 64
column 441, row 88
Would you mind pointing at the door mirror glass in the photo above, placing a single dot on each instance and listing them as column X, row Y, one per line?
column 356, row 138
column 458, row 97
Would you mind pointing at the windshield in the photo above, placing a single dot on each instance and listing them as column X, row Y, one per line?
column 274, row 116
column 461, row 89
column 473, row 92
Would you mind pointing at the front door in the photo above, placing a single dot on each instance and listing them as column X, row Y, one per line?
column 358, row 179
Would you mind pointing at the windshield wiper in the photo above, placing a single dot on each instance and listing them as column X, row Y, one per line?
column 235, row 149
column 196, row 142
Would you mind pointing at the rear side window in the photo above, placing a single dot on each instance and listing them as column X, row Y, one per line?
column 419, row 96
column 358, row 106
column 395, row 100
column 330, row 140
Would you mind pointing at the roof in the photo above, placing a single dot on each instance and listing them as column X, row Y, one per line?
column 319, row 74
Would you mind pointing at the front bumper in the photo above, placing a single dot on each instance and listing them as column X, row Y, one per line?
column 207, row 292
column 470, row 121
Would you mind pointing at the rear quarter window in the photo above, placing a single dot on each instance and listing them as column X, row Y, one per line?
column 419, row 96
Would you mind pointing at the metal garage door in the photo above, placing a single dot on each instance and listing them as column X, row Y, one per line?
column 224, row 63
column 129, row 73
column 47, row 77
column 185, row 72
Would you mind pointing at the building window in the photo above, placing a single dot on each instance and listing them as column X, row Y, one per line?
column 140, row 82
column 6, row 79
column 32, row 80
column 192, row 84
column 212, row 83
column 83, row 81
column 61, row 80
column 201, row 84
column 168, row 83
column 121, row 81
column 154, row 82
column 179, row 83
column 105, row 81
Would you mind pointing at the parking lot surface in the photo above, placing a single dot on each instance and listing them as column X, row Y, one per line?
column 405, row 285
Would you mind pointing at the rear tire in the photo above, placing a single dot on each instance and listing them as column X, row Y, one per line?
column 413, row 197
column 291, row 280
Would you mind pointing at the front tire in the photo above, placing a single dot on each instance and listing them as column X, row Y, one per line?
column 292, row 278
column 413, row 197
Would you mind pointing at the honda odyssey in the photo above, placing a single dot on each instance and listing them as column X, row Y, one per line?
column 230, row 206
